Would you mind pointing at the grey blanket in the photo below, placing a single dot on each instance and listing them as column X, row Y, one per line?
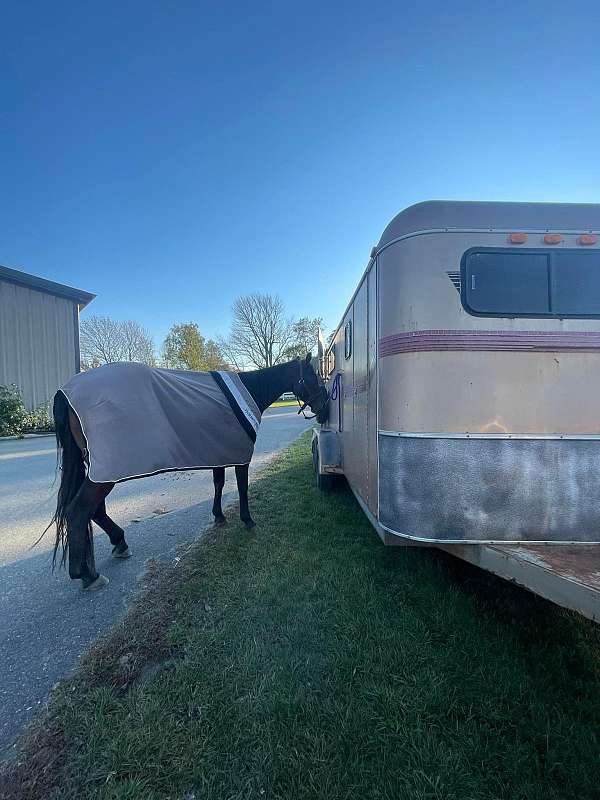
column 139, row 420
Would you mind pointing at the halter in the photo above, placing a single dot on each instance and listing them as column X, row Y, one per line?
column 313, row 397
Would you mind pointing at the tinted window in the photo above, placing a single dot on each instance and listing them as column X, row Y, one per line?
column 532, row 283
column 575, row 282
column 507, row 283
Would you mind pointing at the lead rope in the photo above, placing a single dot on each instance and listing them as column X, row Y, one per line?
column 335, row 388
column 301, row 409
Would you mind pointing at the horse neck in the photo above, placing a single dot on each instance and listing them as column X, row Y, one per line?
column 266, row 385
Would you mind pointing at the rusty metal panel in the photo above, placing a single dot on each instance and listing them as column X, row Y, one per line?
column 490, row 489
column 38, row 341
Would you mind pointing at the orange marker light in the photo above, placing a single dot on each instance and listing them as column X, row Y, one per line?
column 553, row 238
column 587, row 238
column 517, row 238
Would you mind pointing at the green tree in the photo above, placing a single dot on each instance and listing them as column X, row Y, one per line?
column 213, row 356
column 185, row 348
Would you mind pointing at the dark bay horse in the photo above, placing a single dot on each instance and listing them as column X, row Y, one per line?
column 81, row 500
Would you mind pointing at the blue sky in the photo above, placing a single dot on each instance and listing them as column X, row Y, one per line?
column 170, row 156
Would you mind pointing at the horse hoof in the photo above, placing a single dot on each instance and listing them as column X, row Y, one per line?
column 220, row 521
column 100, row 582
column 121, row 553
column 250, row 524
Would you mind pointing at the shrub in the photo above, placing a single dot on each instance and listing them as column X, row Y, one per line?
column 13, row 414
column 40, row 420
column 15, row 419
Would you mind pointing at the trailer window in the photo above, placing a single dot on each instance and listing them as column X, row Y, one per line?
column 533, row 283
column 348, row 339
column 575, row 283
column 507, row 283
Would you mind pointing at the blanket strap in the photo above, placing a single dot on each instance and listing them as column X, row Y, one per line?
column 239, row 407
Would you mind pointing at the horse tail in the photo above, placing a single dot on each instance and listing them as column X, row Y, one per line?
column 72, row 473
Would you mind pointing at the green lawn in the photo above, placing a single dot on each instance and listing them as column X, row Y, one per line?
column 305, row 660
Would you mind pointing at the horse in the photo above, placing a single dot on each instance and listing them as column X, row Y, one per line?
column 81, row 500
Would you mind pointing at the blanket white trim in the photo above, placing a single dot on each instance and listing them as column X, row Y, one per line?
column 240, row 399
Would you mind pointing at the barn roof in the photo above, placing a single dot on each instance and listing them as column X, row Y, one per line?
column 452, row 214
column 42, row 285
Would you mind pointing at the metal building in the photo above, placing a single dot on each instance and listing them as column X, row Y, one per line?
column 39, row 334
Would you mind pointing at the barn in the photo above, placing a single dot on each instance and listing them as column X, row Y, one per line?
column 39, row 334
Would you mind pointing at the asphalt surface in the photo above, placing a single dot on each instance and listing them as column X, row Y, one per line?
column 46, row 621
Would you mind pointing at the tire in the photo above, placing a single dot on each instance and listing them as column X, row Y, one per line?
column 324, row 482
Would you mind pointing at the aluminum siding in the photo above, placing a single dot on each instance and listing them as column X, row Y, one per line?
column 38, row 341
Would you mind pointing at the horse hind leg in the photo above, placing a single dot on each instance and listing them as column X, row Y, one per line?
column 115, row 533
column 241, row 476
column 219, row 482
column 80, row 511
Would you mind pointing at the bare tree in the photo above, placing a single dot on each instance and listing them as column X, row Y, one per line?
column 100, row 341
column 137, row 342
column 260, row 332
column 103, row 340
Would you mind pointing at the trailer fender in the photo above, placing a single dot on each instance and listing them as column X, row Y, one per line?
column 326, row 461
column 329, row 448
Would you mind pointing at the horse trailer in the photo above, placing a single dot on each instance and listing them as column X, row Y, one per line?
column 464, row 380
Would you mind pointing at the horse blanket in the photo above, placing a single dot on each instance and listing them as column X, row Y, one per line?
column 139, row 420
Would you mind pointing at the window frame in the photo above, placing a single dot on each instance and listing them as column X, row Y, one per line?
column 550, row 286
column 348, row 340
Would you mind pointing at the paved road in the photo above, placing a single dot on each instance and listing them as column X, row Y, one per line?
column 46, row 622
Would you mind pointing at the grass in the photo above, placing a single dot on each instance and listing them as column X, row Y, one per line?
column 305, row 660
column 283, row 403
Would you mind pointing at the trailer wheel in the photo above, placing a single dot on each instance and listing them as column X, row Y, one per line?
column 324, row 482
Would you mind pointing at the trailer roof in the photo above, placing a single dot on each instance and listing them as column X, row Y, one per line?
column 445, row 214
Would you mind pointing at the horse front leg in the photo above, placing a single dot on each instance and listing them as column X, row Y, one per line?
column 80, row 511
column 219, row 482
column 241, row 476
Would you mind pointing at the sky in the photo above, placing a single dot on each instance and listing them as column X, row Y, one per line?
column 171, row 156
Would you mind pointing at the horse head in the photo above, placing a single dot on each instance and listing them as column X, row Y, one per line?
column 311, row 391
